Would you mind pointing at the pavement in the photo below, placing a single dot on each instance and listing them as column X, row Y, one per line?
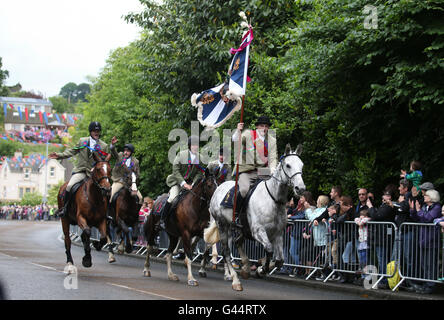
column 382, row 294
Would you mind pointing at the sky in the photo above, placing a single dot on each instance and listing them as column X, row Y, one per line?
column 44, row 44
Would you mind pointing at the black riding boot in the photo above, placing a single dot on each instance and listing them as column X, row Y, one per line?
column 164, row 214
column 240, row 201
column 66, row 201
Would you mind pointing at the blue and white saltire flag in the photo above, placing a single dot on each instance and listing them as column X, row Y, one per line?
column 239, row 66
column 218, row 104
column 213, row 111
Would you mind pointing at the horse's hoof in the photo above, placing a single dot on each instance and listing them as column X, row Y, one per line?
column 193, row 283
column 202, row 274
column 111, row 259
column 214, row 267
column 244, row 274
column 129, row 249
column 174, row 277
column 86, row 262
column 259, row 273
column 237, row 287
column 146, row 273
column 69, row 269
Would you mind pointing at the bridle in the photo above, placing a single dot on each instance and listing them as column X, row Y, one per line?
column 97, row 182
column 207, row 201
column 289, row 178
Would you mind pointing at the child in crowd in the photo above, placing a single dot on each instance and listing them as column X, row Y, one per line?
column 415, row 176
column 363, row 237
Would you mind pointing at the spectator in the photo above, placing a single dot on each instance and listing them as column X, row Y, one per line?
column 335, row 195
column 380, row 238
column 144, row 212
column 428, row 238
column 346, row 238
column 361, row 221
column 307, row 240
column 296, row 236
column 415, row 176
column 362, row 202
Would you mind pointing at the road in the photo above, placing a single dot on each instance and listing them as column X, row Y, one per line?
column 32, row 260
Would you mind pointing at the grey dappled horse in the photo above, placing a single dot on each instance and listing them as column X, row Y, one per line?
column 266, row 216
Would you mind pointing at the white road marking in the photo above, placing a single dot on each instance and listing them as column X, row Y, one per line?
column 8, row 255
column 141, row 291
column 42, row 266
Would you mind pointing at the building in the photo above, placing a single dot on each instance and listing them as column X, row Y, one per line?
column 20, row 175
column 24, row 113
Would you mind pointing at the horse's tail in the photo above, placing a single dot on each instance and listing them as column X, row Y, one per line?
column 211, row 234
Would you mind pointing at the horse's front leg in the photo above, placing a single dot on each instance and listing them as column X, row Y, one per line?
column 169, row 255
column 69, row 261
column 187, row 247
column 86, row 239
column 245, row 272
column 104, row 237
column 205, row 260
column 262, row 237
column 230, row 273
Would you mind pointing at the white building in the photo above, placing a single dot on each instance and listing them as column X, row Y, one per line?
column 19, row 175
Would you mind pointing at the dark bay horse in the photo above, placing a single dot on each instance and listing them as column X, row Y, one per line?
column 88, row 209
column 187, row 221
column 126, row 215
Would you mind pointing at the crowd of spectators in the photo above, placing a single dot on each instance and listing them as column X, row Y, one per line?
column 37, row 135
column 327, row 242
column 31, row 213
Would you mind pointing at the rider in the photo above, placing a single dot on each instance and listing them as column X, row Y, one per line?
column 259, row 159
column 85, row 160
column 220, row 168
column 125, row 170
column 186, row 170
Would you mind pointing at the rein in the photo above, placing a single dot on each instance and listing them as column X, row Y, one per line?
column 288, row 182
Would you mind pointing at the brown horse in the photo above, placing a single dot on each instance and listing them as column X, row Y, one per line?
column 88, row 209
column 125, row 216
column 187, row 221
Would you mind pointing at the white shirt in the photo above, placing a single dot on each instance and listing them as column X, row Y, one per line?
column 235, row 136
column 92, row 142
column 128, row 162
column 193, row 157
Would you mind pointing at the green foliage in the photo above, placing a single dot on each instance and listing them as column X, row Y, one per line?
column 60, row 104
column 31, row 199
column 74, row 93
column 53, row 192
column 3, row 75
column 7, row 148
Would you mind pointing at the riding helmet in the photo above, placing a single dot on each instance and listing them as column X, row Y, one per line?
column 95, row 126
column 130, row 147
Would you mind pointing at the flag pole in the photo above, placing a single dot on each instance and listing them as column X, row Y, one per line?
column 237, row 161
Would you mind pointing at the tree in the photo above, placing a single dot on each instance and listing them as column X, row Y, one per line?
column 60, row 104
column 31, row 199
column 68, row 91
column 82, row 91
column 53, row 192
column 3, row 75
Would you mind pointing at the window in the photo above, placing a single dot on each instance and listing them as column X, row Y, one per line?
column 4, row 192
column 27, row 173
column 27, row 190
column 21, row 193
column 52, row 172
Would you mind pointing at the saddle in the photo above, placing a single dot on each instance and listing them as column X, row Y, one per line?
column 228, row 201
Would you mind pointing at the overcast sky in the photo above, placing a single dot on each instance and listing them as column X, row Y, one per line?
column 45, row 44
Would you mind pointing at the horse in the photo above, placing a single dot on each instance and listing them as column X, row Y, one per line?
column 88, row 209
column 190, row 219
column 266, row 216
column 126, row 214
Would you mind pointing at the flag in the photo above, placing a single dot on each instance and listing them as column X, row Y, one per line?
column 57, row 117
column 5, row 109
column 218, row 104
column 26, row 114
column 12, row 107
column 40, row 116
column 20, row 112
column 213, row 111
column 239, row 65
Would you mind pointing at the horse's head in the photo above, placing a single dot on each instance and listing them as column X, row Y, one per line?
column 291, row 166
column 101, row 173
column 210, row 184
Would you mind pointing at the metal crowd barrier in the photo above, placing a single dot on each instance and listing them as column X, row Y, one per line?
column 415, row 248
